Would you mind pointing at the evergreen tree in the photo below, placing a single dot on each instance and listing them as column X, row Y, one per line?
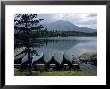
column 25, row 25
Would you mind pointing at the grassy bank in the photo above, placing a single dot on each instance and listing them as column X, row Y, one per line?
column 53, row 73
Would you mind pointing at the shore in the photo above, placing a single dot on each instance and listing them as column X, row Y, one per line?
column 85, row 62
column 53, row 73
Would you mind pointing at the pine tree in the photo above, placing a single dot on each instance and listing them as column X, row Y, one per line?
column 25, row 25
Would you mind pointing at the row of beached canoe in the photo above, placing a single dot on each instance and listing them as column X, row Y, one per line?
column 57, row 57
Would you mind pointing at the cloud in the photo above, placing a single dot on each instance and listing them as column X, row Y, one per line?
column 88, row 20
column 92, row 15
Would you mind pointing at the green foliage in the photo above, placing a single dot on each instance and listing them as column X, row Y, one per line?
column 68, row 33
column 54, row 73
column 27, row 28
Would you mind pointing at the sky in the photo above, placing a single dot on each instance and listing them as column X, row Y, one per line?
column 81, row 20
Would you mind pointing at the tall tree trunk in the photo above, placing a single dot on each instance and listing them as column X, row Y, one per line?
column 29, row 58
column 28, row 48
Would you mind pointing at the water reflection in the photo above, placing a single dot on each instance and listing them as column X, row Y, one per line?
column 81, row 48
column 69, row 46
column 75, row 45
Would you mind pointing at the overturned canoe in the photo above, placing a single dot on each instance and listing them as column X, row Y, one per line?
column 48, row 57
column 68, row 57
column 25, row 59
column 19, row 56
column 58, row 56
column 36, row 58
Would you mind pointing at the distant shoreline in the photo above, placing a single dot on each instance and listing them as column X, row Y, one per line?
column 48, row 38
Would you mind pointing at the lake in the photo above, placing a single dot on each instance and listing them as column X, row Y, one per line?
column 70, row 46
column 75, row 45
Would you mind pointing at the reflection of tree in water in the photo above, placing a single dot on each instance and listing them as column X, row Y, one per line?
column 44, row 41
column 59, row 44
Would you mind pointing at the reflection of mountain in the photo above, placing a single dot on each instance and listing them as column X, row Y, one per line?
column 64, row 43
column 61, row 25
column 60, row 45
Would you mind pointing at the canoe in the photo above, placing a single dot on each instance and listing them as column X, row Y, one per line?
column 68, row 57
column 25, row 59
column 36, row 58
column 19, row 56
column 58, row 56
column 48, row 57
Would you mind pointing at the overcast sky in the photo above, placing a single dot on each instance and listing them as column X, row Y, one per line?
column 82, row 20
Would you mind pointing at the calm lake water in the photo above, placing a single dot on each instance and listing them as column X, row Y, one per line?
column 75, row 45
column 70, row 46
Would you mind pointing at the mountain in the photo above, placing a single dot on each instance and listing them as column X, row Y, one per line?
column 62, row 25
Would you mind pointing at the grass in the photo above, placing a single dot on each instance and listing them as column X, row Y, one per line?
column 53, row 73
